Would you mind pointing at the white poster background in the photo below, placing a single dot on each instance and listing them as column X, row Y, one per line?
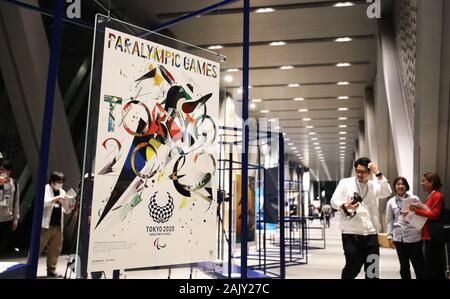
column 133, row 239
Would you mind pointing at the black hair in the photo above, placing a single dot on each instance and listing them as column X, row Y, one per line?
column 364, row 161
column 404, row 181
column 434, row 179
column 7, row 164
column 56, row 176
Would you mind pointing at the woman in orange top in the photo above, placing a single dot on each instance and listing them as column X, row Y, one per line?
column 433, row 251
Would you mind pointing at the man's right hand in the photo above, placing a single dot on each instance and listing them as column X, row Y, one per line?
column 350, row 206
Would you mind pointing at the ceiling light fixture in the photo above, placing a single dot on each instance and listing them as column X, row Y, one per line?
column 343, row 4
column 286, row 67
column 280, row 43
column 256, row 100
column 343, row 39
column 215, row 47
column 232, row 70
column 342, row 118
column 302, row 110
column 342, row 83
column 343, row 98
column 299, row 99
column 343, row 109
column 265, row 111
column 293, row 85
column 264, row 10
column 228, row 78
column 343, row 64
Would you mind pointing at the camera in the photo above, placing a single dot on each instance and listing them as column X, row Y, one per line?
column 356, row 198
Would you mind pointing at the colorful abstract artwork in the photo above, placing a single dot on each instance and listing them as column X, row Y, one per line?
column 251, row 209
column 155, row 186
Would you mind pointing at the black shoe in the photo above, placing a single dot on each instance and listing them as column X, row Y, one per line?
column 53, row 275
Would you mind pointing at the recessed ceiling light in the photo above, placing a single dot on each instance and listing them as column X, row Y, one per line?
column 272, row 119
column 277, row 128
column 342, row 147
column 343, row 98
column 239, row 90
column 343, row 39
column 318, row 147
column 302, row 110
column 307, row 119
column 343, row 83
column 315, row 138
column 299, row 99
column 232, row 70
column 264, row 10
column 228, row 78
column 342, row 138
column 296, row 152
column 312, row 133
column 316, row 143
column 293, row 85
column 310, row 127
column 252, row 106
column 215, row 47
column 342, row 109
column 343, row 64
column 290, row 143
column 342, row 118
column 286, row 67
column 293, row 148
column 342, row 132
column 256, row 100
column 287, row 139
column 342, row 126
column 343, row 143
column 343, row 4
column 280, row 43
column 265, row 111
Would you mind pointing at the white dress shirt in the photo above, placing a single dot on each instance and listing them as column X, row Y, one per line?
column 367, row 218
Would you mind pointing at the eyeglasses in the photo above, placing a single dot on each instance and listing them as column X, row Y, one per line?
column 361, row 171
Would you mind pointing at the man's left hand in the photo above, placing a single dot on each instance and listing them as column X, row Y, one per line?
column 373, row 167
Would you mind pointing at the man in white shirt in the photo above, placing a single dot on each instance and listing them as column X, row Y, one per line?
column 360, row 221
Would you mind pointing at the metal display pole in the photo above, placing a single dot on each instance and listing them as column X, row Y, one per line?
column 281, row 201
column 46, row 132
column 244, row 192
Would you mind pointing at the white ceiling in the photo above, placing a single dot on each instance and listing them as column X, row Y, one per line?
column 309, row 28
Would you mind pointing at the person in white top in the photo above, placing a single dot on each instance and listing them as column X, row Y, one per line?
column 53, row 221
column 357, row 200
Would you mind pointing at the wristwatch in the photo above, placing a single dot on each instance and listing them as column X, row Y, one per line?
column 379, row 174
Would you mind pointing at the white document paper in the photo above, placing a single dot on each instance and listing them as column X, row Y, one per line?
column 71, row 193
column 66, row 203
column 416, row 220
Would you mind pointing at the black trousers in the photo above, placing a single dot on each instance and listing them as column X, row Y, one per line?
column 410, row 252
column 360, row 250
column 5, row 234
column 434, row 254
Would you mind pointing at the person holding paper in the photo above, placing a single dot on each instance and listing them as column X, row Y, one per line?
column 403, row 235
column 433, row 251
column 55, row 203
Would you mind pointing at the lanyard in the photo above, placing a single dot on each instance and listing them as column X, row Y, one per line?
column 359, row 190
